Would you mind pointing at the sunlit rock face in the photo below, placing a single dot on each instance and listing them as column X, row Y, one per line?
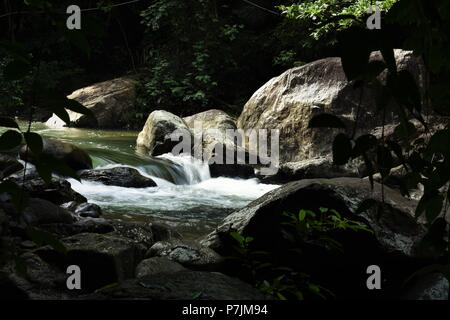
column 110, row 102
column 289, row 101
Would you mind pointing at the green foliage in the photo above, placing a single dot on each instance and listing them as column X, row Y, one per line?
column 426, row 159
column 326, row 17
column 301, row 230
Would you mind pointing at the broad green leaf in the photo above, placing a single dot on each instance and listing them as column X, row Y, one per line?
column 42, row 238
column 366, row 205
column 431, row 204
column 384, row 160
column 405, row 130
column 342, row 149
column 363, row 144
column 8, row 123
column 18, row 197
column 355, row 58
column 77, row 107
column 9, row 140
column 34, row 142
column 326, row 120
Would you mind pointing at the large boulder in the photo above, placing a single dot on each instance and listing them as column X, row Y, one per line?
column 155, row 137
column 118, row 176
column 182, row 285
column 58, row 191
column 393, row 241
column 40, row 211
column 8, row 165
column 396, row 230
column 211, row 119
column 189, row 254
column 157, row 265
column 73, row 156
column 289, row 101
column 109, row 101
column 310, row 169
column 103, row 259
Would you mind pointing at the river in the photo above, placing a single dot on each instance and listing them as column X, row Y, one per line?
column 186, row 197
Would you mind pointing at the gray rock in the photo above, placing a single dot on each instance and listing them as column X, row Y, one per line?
column 432, row 286
column 90, row 210
column 183, row 285
column 39, row 212
column 118, row 176
column 290, row 100
column 73, row 156
column 155, row 137
column 59, row 191
column 8, row 165
column 103, row 259
column 310, row 169
column 396, row 230
column 157, row 265
column 189, row 254
column 211, row 119
column 109, row 101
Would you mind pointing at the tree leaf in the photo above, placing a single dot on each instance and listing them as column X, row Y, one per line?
column 77, row 107
column 384, row 160
column 34, row 142
column 8, row 123
column 42, row 238
column 326, row 120
column 9, row 140
column 366, row 205
column 18, row 197
column 363, row 144
column 342, row 149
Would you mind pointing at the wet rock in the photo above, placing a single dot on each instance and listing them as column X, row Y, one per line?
column 73, row 156
column 396, row 231
column 155, row 137
column 432, row 286
column 119, row 176
column 189, row 254
column 157, row 265
column 310, row 169
column 39, row 211
column 109, row 101
column 8, row 165
column 59, row 191
column 183, row 285
column 103, row 259
column 289, row 101
column 90, row 210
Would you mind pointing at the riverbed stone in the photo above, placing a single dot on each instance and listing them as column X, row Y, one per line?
column 157, row 265
column 189, row 254
column 182, row 285
column 119, row 176
column 155, row 137
column 58, row 191
column 110, row 102
column 397, row 231
column 73, row 156
column 40, row 211
column 90, row 210
column 289, row 101
column 8, row 165
column 103, row 258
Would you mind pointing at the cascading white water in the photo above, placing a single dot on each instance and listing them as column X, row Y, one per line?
column 186, row 197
